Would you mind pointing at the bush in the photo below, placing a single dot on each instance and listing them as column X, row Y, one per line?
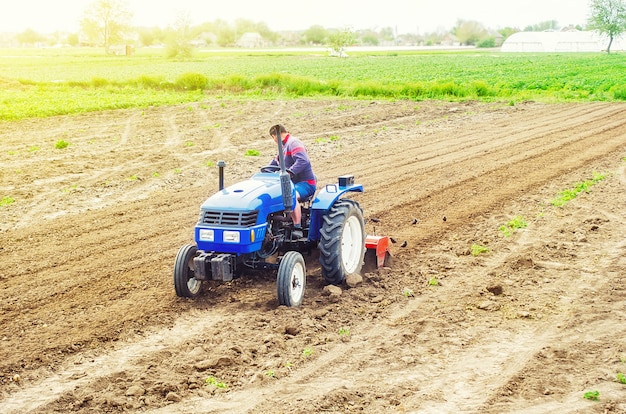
column 192, row 81
column 486, row 43
column 619, row 92
column 181, row 50
column 440, row 90
column 481, row 88
column 150, row 81
column 99, row 82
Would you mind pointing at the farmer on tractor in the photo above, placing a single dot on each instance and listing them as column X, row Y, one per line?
column 299, row 168
column 249, row 225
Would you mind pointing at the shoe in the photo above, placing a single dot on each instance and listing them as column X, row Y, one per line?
column 296, row 233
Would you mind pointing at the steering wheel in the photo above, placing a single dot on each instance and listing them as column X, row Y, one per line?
column 270, row 169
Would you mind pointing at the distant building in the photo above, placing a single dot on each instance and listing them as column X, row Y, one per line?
column 250, row 40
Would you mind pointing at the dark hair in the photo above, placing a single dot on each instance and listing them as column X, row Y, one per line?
column 278, row 128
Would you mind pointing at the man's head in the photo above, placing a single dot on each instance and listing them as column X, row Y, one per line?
column 281, row 129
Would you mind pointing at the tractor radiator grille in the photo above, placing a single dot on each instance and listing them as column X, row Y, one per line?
column 230, row 218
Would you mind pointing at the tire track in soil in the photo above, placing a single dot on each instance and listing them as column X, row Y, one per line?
column 463, row 193
column 46, row 195
column 84, row 369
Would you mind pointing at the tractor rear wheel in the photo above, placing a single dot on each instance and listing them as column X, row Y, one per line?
column 291, row 279
column 185, row 281
column 342, row 241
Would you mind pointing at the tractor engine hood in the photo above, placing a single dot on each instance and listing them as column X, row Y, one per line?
column 262, row 193
column 234, row 220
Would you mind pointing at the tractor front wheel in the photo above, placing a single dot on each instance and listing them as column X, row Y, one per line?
column 342, row 241
column 291, row 279
column 185, row 281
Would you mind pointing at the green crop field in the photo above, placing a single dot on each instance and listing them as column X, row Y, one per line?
column 46, row 82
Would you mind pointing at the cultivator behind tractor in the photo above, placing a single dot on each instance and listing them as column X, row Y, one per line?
column 248, row 226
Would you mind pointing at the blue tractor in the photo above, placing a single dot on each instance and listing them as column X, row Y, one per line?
column 248, row 226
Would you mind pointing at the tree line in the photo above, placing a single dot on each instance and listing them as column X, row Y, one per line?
column 106, row 23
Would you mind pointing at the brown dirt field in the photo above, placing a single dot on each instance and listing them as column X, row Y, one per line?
column 90, row 321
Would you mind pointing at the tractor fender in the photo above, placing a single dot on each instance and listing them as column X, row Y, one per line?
column 324, row 200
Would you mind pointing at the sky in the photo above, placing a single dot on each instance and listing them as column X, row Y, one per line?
column 404, row 16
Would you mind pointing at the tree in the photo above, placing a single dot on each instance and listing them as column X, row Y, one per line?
column 508, row 31
column 149, row 36
column 29, row 37
column 72, row 39
column 386, row 33
column 340, row 40
column 179, row 38
column 226, row 36
column 608, row 17
column 315, row 35
column 242, row 26
column 369, row 38
column 106, row 23
column 469, row 32
column 542, row 26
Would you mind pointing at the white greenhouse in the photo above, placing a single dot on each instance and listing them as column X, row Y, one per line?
column 567, row 41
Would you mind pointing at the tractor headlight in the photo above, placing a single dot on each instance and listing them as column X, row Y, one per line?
column 231, row 236
column 207, row 235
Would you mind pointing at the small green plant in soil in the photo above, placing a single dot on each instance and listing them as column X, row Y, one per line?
column 61, row 144
column 512, row 225
column 621, row 378
column 477, row 249
column 214, row 382
column 252, row 153
column 569, row 194
column 592, row 395
column 6, row 201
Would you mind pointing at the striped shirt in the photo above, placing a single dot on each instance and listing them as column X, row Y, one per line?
column 296, row 161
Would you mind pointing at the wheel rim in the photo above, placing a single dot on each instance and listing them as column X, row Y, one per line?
column 193, row 284
column 351, row 240
column 296, row 283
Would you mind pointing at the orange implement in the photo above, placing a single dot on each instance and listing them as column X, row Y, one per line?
column 379, row 244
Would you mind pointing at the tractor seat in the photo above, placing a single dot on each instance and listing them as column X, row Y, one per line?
column 304, row 200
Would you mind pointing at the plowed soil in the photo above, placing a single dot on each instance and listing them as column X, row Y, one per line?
column 90, row 322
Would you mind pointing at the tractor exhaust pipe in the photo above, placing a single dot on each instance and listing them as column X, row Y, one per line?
column 285, row 180
column 221, row 164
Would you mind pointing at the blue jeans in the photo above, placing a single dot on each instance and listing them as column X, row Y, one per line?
column 304, row 189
